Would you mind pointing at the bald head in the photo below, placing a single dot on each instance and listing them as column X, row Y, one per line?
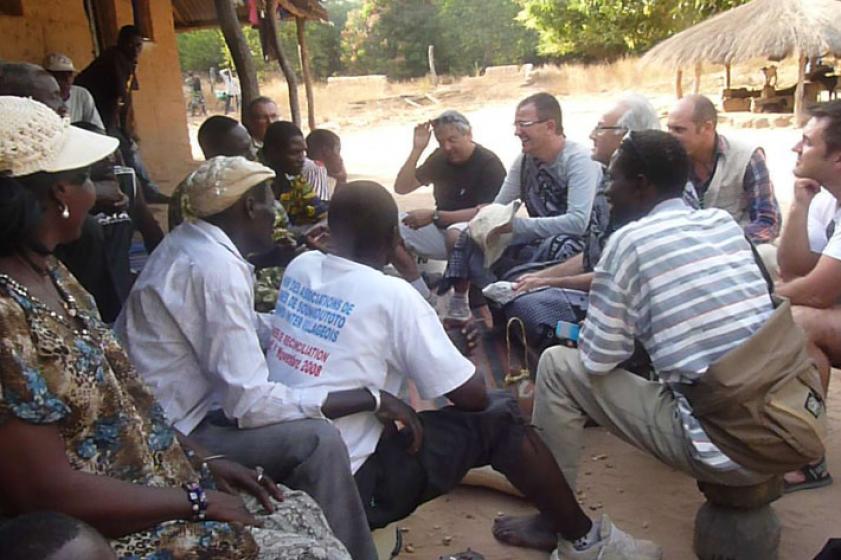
column 692, row 121
column 21, row 79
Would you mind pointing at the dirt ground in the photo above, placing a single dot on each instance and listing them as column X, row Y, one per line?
column 640, row 494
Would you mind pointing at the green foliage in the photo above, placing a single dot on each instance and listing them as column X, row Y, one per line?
column 199, row 50
column 603, row 29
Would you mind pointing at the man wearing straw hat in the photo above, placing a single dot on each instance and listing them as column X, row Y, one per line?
column 80, row 104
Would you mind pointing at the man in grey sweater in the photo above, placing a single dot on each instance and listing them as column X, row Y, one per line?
column 556, row 179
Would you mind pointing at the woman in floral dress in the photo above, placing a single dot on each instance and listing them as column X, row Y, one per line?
column 79, row 433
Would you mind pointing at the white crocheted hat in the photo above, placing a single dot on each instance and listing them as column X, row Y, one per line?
column 34, row 138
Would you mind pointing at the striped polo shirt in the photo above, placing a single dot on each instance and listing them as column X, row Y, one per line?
column 685, row 284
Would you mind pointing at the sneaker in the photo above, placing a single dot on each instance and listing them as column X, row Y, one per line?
column 458, row 309
column 615, row 544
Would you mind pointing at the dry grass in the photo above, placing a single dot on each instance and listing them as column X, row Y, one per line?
column 363, row 105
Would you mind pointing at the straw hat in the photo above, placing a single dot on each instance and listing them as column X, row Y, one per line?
column 219, row 183
column 34, row 138
column 58, row 62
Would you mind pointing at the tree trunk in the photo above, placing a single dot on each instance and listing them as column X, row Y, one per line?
column 727, row 76
column 433, row 74
column 696, row 86
column 305, row 69
column 283, row 60
column 799, row 112
column 679, row 84
column 235, row 39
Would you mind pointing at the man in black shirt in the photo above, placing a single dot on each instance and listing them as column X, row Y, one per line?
column 464, row 175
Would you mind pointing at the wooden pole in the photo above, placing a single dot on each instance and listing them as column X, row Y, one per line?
column 235, row 39
column 727, row 76
column 430, row 53
column 679, row 84
column 799, row 110
column 696, row 86
column 283, row 60
column 305, row 69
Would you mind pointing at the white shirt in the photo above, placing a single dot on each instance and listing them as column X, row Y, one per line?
column 343, row 325
column 823, row 211
column 81, row 107
column 191, row 331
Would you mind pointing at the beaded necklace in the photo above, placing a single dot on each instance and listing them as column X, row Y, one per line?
column 67, row 300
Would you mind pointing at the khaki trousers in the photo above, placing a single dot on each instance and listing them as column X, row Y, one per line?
column 643, row 413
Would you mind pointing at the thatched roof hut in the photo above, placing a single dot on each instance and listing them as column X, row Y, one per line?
column 773, row 29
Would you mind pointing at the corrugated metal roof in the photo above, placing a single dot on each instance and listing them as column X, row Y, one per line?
column 190, row 14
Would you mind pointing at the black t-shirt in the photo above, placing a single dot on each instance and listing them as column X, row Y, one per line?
column 456, row 187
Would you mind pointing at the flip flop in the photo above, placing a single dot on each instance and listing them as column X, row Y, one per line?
column 814, row 476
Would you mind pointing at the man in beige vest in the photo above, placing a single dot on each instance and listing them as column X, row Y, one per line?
column 728, row 174
column 810, row 252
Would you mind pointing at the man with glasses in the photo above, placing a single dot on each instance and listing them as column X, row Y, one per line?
column 728, row 174
column 464, row 176
column 556, row 180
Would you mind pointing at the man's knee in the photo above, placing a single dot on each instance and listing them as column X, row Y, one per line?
column 556, row 365
column 819, row 324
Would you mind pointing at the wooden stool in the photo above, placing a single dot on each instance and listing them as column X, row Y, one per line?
column 738, row 523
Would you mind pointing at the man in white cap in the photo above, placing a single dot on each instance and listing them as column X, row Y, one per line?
column 190, row 328
column 80, row 103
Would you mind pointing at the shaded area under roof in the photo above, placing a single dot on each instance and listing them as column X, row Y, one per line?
column 773, row 29
column 191, row 14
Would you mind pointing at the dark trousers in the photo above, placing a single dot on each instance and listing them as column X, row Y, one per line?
column 392, row 483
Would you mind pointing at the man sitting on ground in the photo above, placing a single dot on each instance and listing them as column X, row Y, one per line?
column 560, row 291
column 341, row 323
column 728, row 174
column 686, row 285
column 191, row 331
column 557, row 180
column 324, row 148
column 810, row 254
column 80, row 104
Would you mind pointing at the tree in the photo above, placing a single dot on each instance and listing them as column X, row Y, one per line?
column 199, row 50
column 480, row 33
column 603, row 29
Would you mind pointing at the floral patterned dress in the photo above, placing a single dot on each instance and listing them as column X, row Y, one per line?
column 77, row 377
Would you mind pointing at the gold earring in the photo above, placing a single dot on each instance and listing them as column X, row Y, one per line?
column 65, row 213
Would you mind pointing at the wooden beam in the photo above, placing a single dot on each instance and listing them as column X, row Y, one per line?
column 799, row 110
column 305, row 69
column 679, row 83
column 235, row 39
column 727, row 76
column 696, row 85
column 283, row 60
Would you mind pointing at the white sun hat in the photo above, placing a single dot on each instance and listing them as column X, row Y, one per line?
column 58, row 62
column 34, row 138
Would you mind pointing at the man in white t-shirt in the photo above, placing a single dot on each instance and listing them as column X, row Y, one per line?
column 341, row 323
column 810, row 253
column 80, row 104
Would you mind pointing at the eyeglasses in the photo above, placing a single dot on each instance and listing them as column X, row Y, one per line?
column 599, row 129
column 527, row 124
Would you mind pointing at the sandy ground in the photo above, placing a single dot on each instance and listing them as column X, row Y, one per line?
column 640, row 494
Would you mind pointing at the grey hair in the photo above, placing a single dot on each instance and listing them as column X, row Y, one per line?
column 639, row 113
column 453, row 118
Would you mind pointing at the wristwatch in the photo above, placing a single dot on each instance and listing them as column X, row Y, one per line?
column 435, row 217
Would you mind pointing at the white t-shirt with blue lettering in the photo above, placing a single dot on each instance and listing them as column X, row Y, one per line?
column 342, row 325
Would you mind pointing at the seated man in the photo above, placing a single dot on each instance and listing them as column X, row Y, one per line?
column 80, row 104
column 341, row 323
column 686, row 285
column 324, row 149
column 561, row 290
column 557, row 180
column 190, row 328
column 463, row 173
column 728, row 174
column 810, row 254
column 257, row 116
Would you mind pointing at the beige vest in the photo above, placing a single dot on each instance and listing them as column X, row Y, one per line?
column 727, row 190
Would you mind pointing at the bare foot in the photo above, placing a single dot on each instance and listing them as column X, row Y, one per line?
column 532, row 531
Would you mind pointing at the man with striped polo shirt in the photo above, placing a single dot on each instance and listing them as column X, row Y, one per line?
column 686, row 286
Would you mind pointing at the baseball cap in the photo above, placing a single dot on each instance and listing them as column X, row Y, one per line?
column 34, row 138
column 58, row 62
column 220, row 182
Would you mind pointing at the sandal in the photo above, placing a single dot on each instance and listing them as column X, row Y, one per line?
column 814, row 476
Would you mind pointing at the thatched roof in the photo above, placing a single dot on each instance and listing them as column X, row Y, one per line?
column 771, row 29
column 192, row 14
